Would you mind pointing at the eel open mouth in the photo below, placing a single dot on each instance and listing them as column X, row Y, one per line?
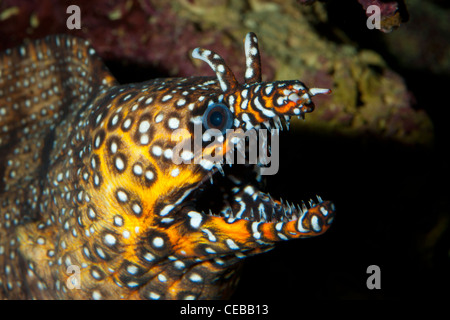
column 228, row 200
column 237, row 195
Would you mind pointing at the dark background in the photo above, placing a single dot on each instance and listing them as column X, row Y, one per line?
column 391, row 199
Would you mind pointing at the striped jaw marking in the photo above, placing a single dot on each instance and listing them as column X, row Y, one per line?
column 90, row 180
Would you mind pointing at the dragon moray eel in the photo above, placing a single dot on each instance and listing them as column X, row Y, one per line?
column 93, row 205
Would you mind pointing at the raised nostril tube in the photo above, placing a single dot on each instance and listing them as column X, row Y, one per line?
column 316, row 91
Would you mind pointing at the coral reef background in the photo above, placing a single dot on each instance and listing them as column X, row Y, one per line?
column 376, row 146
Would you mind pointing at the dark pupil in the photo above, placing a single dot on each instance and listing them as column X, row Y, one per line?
column 216, row 118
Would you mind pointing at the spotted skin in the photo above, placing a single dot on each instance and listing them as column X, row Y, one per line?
column 92, row 205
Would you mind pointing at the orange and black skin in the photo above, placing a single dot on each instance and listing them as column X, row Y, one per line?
column 89, row 183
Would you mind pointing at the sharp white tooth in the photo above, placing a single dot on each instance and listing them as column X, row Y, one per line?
column 287, row 120
column 319, row 198
column 219, row 167
column 275, row 122
column 293, row 211
column 304, row 207
column 279, row 125
column 288, row 208
column 264, row 124
column 267, row 124
column 210, row 212
column 211, row 179
column 263, row 216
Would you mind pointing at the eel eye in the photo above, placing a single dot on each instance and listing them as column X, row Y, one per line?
column 217, row 116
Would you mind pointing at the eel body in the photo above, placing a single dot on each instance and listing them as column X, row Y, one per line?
column 98, row 200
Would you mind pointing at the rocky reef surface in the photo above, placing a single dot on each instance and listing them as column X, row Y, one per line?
column 296, row 40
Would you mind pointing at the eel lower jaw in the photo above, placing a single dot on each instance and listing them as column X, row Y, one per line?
column 277, row 211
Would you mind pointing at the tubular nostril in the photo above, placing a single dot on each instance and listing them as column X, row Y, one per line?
column 316, row 91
